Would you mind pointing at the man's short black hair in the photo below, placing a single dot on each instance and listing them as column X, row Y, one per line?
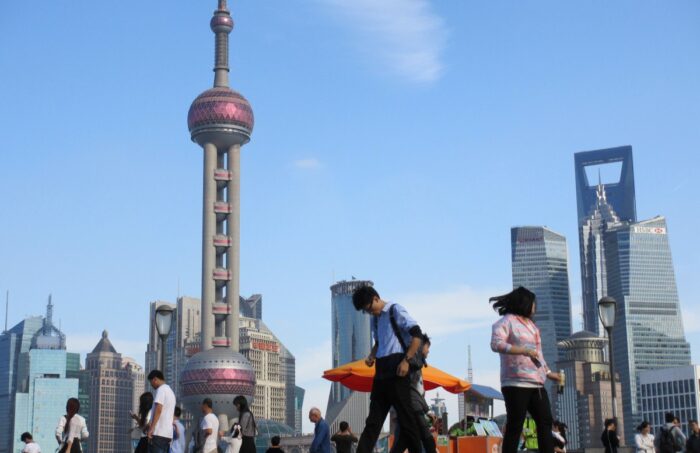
column 207, row 402
column 669, row 417
column 26, row 436
column 426, row 338
column 610, row 421
column 343, row 426
column 156, row 374
column 363, row 296
column 178, row 411
column 275, row 441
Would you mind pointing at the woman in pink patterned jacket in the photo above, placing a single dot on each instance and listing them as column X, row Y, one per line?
column 523, row 369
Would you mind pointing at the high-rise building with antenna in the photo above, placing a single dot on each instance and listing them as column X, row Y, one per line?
column 220, row 120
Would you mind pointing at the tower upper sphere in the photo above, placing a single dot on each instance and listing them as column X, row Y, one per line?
column 221, row 115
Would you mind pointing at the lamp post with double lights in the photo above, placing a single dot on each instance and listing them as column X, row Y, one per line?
column 164, row 322
column 606, row 311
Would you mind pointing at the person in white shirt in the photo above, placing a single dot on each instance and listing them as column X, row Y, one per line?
column 178, row 445
column 209, row 426
column 30, row 446
column 71, row 429
column 160, row 430
column 644, row 440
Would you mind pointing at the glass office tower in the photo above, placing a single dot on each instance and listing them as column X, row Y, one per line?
column 540, row 264
column 648, row 332
column 351, row 340
column 599, row 204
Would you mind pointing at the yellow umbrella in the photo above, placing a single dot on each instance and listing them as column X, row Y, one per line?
column 358, row 376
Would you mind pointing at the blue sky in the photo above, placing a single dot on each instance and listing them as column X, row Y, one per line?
column 394, row 140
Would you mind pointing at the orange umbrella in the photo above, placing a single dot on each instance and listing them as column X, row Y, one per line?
column 358, row 376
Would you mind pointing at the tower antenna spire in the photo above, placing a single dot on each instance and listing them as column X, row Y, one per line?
column 470, row 371
column 221, row 24
column 7, row 306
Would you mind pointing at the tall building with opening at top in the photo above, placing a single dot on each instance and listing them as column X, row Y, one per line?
column 351, row 340
column 540, row 263
column 630, row 261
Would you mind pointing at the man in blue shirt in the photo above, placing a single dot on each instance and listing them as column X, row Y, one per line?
column 397, row 338
column 322, row 433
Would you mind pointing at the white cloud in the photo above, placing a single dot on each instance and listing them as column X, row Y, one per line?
column 449, row 311
column 308, row 164
column 404, row 35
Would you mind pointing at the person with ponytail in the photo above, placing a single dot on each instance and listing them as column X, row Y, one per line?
column 71, row 429
column 142, row 420
column 523, row 369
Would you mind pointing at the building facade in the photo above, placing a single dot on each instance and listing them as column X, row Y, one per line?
column 540, row 263
column 298, row 409
column 648, row 332
column 75, row 371
column 674, row 390
column 265, row 353
column 116, row 382
column 13, row 343
column 598, row 205
column 587, row 397
column 351, row 339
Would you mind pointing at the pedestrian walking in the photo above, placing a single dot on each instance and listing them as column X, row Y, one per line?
column 29, row 445
column 529, row 435
column 671, row 439
column 209, row 427
column 249, row 428
column 419, row 406
column 178, row 443
column 609, row 437
column 523, row 368
column 344, row 438
column 644, row 440
column 322, row 433
column 397, row 338
column 558, row 438
column 692, row 445
column 71, row 429
column 142, row 419
column 160, row 429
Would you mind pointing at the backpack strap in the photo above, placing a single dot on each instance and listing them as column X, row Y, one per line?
column 395, row 328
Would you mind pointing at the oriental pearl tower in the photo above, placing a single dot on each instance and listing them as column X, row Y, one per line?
column 220, row 120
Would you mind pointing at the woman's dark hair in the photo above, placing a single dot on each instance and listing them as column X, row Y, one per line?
column 72, row 408
column 363, row 296
column 242, row 404
column 343, row 426
column 145, row 405
column 426, row 338
column 642, row 425
column 610, row 421
column 517, row 302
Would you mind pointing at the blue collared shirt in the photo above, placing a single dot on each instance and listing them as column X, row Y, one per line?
column 386, row 339
column 322, row 438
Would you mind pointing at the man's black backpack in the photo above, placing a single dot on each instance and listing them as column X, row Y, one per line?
column 667, row 441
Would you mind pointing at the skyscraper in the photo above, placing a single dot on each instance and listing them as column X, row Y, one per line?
column 594, row 215
column 115, row 384
column 648, row 332
column 540, row 263
column 252, row 306
column 351, row 340
column 221, row 121
column 42, row 385
column 586, row 400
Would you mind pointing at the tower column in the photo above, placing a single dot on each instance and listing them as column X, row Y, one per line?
column 208, row 250
column 234, row 232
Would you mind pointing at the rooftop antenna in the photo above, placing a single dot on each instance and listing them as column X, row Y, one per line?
column 7, row 306
column 470, row 371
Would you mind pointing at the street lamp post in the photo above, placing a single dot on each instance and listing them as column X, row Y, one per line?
column 606, row 310
column 164, row 322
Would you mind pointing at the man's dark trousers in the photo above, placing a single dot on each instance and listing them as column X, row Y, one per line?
column 387, row 392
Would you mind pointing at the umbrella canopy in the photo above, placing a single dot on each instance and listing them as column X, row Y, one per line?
column 358, row 376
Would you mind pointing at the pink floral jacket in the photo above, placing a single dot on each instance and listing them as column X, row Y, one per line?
column 513, row 330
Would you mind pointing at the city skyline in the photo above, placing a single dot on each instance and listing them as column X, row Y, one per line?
column 492, row 129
